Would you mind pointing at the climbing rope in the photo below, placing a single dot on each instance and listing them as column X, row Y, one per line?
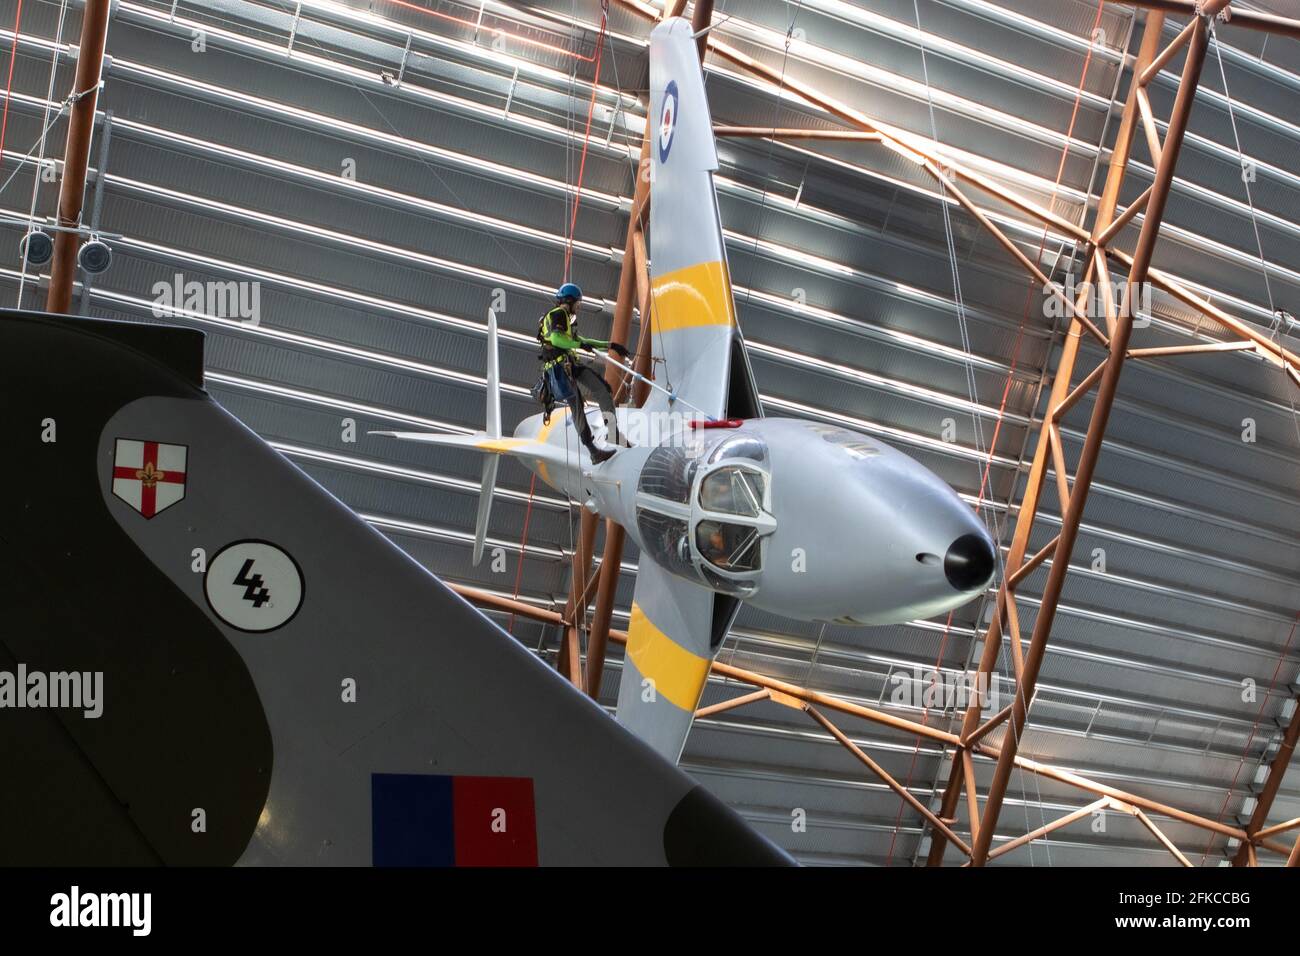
column 523, row 546
column 9, row 83
column 771, row 148
column 586, row 137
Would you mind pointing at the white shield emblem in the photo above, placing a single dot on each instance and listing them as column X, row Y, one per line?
column 148, row 475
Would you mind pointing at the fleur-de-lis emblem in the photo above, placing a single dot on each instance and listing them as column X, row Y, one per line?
column 150, row 475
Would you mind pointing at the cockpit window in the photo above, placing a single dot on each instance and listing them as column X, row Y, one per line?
column 668, row 473
column 737, row 491
column 740, row 446
column 666, row 540
column 731, row 547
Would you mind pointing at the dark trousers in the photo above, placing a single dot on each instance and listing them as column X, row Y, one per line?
column 576, row 383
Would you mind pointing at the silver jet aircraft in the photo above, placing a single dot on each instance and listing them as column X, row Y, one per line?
column 806, row 520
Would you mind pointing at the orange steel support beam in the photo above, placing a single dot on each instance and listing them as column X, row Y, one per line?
column 1060, row 393
column 1266, row 22
column 1076, row 393
column 1167, row 843
column 1278, row 828
column 1267, row 347
column 1062, row 775
column 1017, row 642
column 972, row 797
column 733, row 703
column 1005, row 601
column 1101, row 271
column 569, row 661
column 1190, row 349
column 1005, row 241
column 1272, row 783
column 603, row 608
column 1106, row 389
column 1028, row 567
column 1055, row 825
column 498, row 602
column 1122, row 220
column 631, row 282
column 612, row 556
column 76, row 153
column 1167, row 54
column 885, row 777
column 826, row 700
column 1212, row 8
column 830, row 702
column 989, row 725
column 1149, row 126
column 701, row 20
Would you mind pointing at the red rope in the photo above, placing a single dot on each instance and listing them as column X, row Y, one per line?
column 9, row 84
column 568, row 254
column 1002, row 407
column 523, row 545
column 586, row 138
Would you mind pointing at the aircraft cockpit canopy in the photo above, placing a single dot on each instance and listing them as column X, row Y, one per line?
column 704, row 512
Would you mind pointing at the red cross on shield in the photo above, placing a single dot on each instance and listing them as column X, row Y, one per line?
column 148, row 475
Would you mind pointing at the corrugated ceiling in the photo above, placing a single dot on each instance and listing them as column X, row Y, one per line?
column 381, row 217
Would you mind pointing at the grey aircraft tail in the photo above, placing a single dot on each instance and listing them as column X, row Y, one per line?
column 276, row 683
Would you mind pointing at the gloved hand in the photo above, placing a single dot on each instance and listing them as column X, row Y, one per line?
column 619, row 350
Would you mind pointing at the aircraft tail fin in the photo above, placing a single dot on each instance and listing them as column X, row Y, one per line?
column 493, row 378
column 694, row 328
column 489, row 440
column 218, row 682
column 491, row 462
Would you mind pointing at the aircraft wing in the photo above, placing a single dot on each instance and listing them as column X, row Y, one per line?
column 695, row 338
column 260, row 677
column 671, row 640
column 524, row 448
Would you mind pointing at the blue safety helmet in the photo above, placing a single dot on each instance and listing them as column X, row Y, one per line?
column 568, row 291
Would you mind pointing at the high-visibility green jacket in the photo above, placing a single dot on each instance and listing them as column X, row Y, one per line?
column 558, row 333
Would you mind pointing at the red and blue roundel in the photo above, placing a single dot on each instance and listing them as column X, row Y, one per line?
column 667, row 120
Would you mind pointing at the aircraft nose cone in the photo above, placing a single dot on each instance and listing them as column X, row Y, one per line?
column 969, row 562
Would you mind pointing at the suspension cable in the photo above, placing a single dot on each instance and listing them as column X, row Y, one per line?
column 47, row 122
column 586, row 137
column 9, row 83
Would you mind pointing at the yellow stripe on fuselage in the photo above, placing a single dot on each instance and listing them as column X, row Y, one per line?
column 678, row 674
column 501, row 444
column 698, row 295
column 543, row 435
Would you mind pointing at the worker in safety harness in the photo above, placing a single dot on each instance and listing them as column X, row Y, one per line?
column 569, row 380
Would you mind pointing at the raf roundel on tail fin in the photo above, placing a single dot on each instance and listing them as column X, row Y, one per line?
column 693, row 316
column 667, row 120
